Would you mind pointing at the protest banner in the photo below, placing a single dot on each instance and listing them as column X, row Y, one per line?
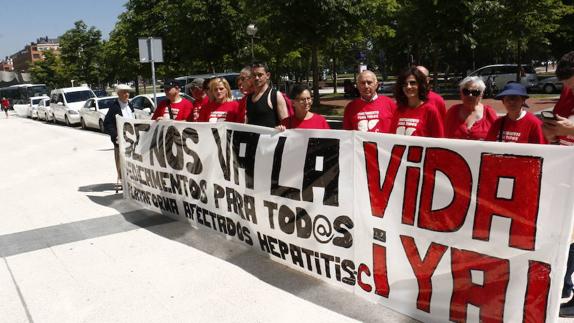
column 440, row 230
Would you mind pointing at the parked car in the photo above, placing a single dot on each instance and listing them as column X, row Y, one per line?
column 505, row 73
column 550, row 85
column 43, row 111
column 100, row 93
column 67, row 102
column 144, row 106
column 33, row 106
column 94, row 111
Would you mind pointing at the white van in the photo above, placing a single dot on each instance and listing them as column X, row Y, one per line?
column 66, row 103
column 505, row 73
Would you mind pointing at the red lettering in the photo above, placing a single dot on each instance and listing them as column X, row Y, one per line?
column 379, row 195
column 521, row 207
column 455, row 168
column 380, row 271
column 489, row 296
column 410, row 196
column 423, row 268
column 364, row 269
column 537, row 292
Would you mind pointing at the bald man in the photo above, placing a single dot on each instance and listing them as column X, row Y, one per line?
column 433, row 97
column 370, row 112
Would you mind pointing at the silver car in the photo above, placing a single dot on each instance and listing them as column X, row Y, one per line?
column 43, row 111
column 94, row 111
column 505, row 73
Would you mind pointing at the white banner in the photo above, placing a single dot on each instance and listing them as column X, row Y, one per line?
column 437, row 229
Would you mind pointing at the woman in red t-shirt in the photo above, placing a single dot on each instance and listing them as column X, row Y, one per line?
column 470, row 119
column 517, row 125
column 221, row 106
column 415, row 116
column 303, row 118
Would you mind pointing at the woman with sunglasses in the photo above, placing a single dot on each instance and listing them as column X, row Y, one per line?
column 517, row 125
column 470, row 119
column 303, row 118
column 415, row 116
column 221, row 106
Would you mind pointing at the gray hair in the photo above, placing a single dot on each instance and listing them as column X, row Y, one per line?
column 472, row 80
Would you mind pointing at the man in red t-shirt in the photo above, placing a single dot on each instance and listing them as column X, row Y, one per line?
column 5, row 105
column 200, row 99
column 433, row 97
column 371, row 112
column 562, row 129
column 175, row 107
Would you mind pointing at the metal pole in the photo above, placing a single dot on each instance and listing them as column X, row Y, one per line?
column 152, row 69
column 252, row 55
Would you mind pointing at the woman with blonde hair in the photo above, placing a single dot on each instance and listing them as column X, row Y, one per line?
column 221, row 106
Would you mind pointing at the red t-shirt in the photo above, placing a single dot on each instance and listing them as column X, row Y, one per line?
column 243, row 108
column 438, row 101
column 422, row 121
column 527, row 129
column 565, row 109
column 181, row 110
column 455, row 127
column 5, row 103
column 218, row 112
column 197, row 105
column 317, row 121
column 374, row 116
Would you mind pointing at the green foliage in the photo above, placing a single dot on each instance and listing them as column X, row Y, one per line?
column 49, row 71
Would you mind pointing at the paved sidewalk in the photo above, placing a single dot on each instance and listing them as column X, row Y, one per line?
column 74, row 251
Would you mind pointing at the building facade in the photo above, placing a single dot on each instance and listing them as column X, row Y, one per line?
column 33, row 52
column 6, row 65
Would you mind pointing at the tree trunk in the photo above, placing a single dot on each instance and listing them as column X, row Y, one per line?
column 315, row 68
column 518, row 60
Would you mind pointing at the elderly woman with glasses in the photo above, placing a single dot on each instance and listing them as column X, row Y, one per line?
column 303, row 117
column 470, row 119
column 415, row 115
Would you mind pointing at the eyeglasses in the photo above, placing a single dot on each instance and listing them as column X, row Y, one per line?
column 467, row 92
column 304, row 100
column 411, row 83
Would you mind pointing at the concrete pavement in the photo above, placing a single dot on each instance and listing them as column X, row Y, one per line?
column 74, row 251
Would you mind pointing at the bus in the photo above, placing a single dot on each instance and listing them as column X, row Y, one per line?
column 21, row 93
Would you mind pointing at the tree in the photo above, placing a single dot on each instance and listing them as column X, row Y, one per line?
column 80, row 50
column 49, row 71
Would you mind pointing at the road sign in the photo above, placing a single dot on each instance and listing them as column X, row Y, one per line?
column 150, row 50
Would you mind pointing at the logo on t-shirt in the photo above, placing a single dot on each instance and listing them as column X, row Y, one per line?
column 367, row 121
column 407, row 126
column 174, row 112
column 217, row 116
column 510, row 136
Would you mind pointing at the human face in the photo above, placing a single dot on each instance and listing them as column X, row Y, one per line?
column 302, row 103
column 569, row 83
column 245, row 83
column 411, row 87
column 220, row 92
column 171, row 92
column 513, row 103
column 260, row 77
column 197, row 93
column 470, row 95
column 367, row 84
column 123, row 95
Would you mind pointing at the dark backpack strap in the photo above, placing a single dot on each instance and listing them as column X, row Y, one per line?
column 169, row 110
column 274, row 99
column 501, row 129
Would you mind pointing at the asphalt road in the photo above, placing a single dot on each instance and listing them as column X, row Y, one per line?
column 74, row 251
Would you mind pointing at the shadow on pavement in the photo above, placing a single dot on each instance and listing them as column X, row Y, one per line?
column 249, row 259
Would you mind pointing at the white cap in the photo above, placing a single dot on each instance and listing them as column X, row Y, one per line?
column 124, row 87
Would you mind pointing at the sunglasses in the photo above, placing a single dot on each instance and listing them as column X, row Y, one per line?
column 467, row 92
column 411, row 83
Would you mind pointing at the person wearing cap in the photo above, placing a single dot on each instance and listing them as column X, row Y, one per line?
column 518, row 125
column 433, row 97
column 200, row 99
column 121, row 107
column 175, row 107
column 470, row 119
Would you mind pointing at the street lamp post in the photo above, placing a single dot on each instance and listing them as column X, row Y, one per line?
column 251, row 31
column 72, row 82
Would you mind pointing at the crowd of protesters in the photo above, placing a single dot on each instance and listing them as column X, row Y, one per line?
column 415, row 111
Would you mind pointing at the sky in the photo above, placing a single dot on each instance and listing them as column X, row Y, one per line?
column 24, row 21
